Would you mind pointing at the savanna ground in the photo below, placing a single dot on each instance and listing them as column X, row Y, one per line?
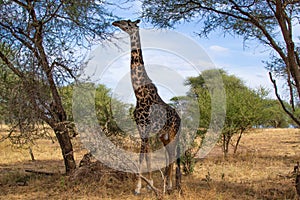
column 262, row 169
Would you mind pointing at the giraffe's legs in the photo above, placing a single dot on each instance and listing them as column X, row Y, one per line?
column 141, row 158
column 168, row 174
column 148, row 161
column 170, row 163
column 144, row 153
column 137, row 190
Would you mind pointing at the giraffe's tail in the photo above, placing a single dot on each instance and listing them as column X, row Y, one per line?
column 178, row 161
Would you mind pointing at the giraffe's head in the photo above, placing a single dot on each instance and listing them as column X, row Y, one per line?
column 127, row 25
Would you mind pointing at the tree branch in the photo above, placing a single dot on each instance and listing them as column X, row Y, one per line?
column 217, row 11
column 286, row 29
column 248, row 18
column 281, row 101
column 19, row 31
column 158, row 193
column 297, row 58
column 44, row 20
column 39, row 172
column 69, row 71
column 255, row 22
column 11, row 65
column 270, row 6
column 21, row 4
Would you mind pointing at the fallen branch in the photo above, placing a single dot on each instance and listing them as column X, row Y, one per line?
column 158, row 193
column 40, row 172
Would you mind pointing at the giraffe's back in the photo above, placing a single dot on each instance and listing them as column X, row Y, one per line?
column 154, row 115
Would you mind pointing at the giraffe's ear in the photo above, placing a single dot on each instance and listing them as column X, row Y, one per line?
column 137, row 21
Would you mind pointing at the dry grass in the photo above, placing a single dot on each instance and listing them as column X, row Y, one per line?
column 261, row 170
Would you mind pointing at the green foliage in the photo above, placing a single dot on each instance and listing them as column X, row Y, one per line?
column 50, row 41
column 106, row 107
column 188, row 162
column 66, row 94
column 43, row 46
column 103, row 105
column 245, row 108
column 274, row 116
column 8, row 81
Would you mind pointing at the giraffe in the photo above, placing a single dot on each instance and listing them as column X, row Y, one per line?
column 152, row 115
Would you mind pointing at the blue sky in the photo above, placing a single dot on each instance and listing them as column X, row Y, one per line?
column 230, row 54
column 168, row 64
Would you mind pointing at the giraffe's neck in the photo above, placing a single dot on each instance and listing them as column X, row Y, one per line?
column 139, row 76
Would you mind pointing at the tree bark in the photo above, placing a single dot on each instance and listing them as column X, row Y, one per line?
column 291, row 115
column 64, row 140
column 286, row 28
column 226, row 140
column 238, row 141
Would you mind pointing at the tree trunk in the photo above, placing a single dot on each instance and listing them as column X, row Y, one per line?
column 226, row 140
column 64, row 140
column 238, row 141
column 31, row 154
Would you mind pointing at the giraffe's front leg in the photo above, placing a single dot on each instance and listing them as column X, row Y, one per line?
column 170, row 165
column 148, row 161
column 143, row 149
column 137, row 190
column 169, row 174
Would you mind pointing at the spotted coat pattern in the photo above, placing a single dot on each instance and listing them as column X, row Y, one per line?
column 152, row 115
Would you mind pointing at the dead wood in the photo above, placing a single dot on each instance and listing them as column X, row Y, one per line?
column 40, row 172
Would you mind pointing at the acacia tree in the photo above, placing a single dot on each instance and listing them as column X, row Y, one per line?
column 44, row 43
column 106, row 107
column 274, row 116
column 244, row 107
column 271, row 22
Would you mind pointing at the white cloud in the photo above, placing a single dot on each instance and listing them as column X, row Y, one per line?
column 218, row 49
column 296, row 32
